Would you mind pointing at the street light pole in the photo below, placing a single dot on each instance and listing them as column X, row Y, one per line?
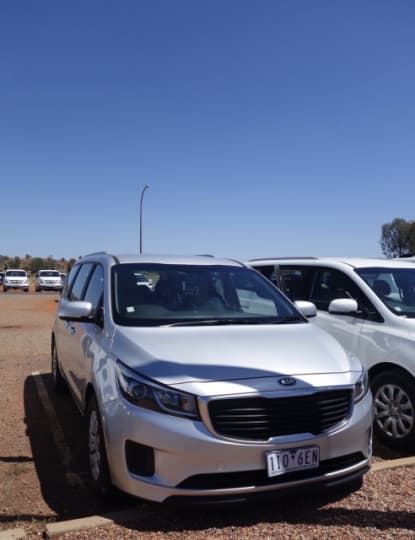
column 141, row 218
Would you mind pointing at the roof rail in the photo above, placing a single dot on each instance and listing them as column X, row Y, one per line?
column 282, row 258
column 95, row 253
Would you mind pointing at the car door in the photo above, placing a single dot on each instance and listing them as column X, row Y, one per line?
column 321, row 285
column 331, row 284
column 92, row 333
column 72, row 334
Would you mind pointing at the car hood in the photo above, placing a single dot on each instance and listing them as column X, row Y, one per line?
column 179, row 356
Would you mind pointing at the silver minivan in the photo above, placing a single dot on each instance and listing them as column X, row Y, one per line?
column 209, row 385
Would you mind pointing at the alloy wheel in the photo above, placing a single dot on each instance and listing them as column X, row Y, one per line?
column 394, row 412
column 94, row 445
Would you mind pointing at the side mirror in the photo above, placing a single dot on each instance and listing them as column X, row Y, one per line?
column 308, row 309
column 76, row 311
column 343, row 306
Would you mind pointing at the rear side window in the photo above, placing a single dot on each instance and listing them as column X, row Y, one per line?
column 296, row 281
column 80, row 281
column 71, row 276
column 95, row 288
column 269, row 272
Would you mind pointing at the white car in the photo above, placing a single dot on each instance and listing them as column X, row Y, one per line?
column 369, row 306
column 48, row 280
column 15, row 279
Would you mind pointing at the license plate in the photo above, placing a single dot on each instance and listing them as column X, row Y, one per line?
column 293, row 459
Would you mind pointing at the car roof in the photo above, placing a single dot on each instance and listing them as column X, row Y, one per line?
column 200, row 260
column 353, row 262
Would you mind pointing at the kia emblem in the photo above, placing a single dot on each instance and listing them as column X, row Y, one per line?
column 287, row 381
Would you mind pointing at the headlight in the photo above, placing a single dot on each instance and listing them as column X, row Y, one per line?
column 361, row 388
column 145, row 393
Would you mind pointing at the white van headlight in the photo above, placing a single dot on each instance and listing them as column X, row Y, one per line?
column 361, row 388
column 145, row 393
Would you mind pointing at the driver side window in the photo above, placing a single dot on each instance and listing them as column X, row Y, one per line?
column 330, row 284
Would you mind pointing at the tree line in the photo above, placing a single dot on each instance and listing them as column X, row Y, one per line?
column 33, row 264
column 397, row 240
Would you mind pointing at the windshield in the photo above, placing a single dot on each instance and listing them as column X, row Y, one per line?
column 15, row 273
column 196, row 295
column 49, row 273
column 394, row 286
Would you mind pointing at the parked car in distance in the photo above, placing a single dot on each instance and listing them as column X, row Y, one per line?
column 142, row 279
column 15, row 279
column 369, row 306
column 48, row 280
column 210, row 386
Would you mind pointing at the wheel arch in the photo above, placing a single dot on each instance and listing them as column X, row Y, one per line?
column 388, row 366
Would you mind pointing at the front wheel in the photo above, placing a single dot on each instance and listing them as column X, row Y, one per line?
column 394, row 402
column 98, row 464
column 58, row 382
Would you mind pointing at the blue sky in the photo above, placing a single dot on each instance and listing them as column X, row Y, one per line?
column 263, row 128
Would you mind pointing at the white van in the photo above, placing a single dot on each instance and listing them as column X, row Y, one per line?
column 48, row 280
column 15, row 279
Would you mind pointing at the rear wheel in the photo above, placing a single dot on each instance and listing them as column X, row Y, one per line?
column 98, row 464
column 4, row 289
column 394, row 402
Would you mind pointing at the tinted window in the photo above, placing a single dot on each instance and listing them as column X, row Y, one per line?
column 394, row 286
column 330, row 284
column 296, row 281
column 268, row 271
column 95, row 287
column 70, row 279
column 80, row 281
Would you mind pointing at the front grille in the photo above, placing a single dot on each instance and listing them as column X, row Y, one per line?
column 260, row 418
column 260, row 478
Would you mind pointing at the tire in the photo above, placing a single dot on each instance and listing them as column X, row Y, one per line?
column 4, row 289
column 58, row 382
column 97, row 455
column 394, row 402
column 26, row 290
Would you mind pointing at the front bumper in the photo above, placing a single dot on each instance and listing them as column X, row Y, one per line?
column 191, row 462
column 16, row 285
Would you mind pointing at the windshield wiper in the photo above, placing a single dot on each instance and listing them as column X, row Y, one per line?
column 223, row 322
column 204, row 322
